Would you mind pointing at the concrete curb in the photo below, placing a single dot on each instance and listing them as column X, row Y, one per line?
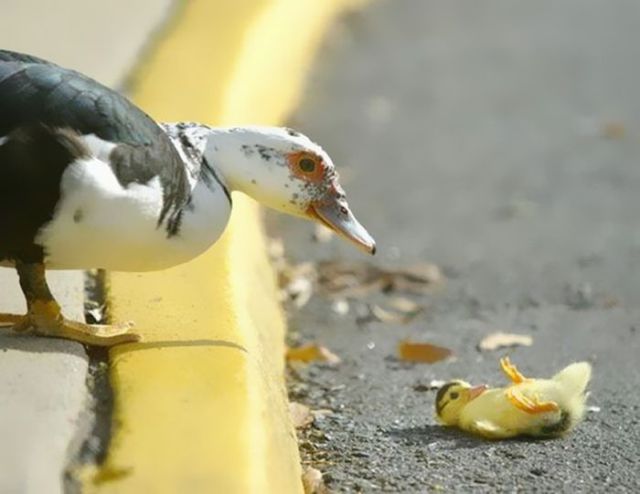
column 200, row 405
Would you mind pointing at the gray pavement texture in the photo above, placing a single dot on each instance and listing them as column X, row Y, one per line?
column 42, row 393
column 499, row 140
column 45, row 407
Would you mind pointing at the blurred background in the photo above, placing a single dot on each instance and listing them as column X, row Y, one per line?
column 100, row 39
column 498, row 142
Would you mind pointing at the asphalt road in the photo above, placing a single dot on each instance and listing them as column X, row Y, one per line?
column 500, row 141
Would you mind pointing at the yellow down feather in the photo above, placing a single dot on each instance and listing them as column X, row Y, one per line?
column 533, row 407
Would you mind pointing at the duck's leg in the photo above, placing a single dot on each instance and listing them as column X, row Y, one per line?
column 511, row 371
column 530, row 405
column 45, row 318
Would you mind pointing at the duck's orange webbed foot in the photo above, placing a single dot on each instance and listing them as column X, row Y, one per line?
column 44, row 316
column 511, row 371
column 531, row 405
column 45, row 319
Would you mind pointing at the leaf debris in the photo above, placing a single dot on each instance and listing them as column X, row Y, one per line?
column 301, row 415
column 344, row 281
column 613, row 130
column 499, row 339
column 358, row 280
column 312, row 353
column 312, row 481
column 427, row 353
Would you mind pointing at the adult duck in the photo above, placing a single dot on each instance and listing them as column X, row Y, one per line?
column 88, row 180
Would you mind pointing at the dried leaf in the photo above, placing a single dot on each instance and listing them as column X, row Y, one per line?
column 497, row 340
column 358, row 280
column 312, row 482
column 405, row 305
column 613, row 130
column 388, row 316
column 301, row 415
column 403, row 311
column 422, row 352
column 425, row 273
column 321, row 413
column 312, row 353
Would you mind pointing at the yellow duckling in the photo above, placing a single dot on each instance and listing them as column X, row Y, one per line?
column 530, row 407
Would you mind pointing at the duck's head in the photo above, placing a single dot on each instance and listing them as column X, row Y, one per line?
column 285, row 170
column 452, row 397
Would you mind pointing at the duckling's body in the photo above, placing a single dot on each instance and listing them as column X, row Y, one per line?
column 531, row 407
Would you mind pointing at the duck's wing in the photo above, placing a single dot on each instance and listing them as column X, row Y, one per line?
column 33, row 90
column 36, row 92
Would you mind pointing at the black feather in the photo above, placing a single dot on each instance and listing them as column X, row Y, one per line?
column 32, row 161
column 34, row 91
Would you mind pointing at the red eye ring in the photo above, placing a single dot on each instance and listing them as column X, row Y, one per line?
column 306, row 166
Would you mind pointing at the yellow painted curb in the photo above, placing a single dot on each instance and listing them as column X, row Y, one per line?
column 200, row 405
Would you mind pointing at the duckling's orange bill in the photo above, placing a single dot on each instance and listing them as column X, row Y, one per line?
column 477, row 391
column 334, row 212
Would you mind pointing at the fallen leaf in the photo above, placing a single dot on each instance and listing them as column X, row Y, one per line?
column 422, row 352
column 497, row 340
column 613, row 130
column 388, row 316
column 384, row 315
column 419, row 276
column 321, row 413
column 611, row 302
column 405, row 305
column 358, row 280
column 312, row 353
column 301, row 415
column 312, row 482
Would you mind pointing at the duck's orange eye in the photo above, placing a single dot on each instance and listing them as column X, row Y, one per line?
column 306, row 166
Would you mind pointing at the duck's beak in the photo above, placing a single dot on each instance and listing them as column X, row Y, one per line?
column 477, row 391
column 333, row 211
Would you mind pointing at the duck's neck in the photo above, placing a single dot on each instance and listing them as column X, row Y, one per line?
column 242, row 159
column 219, row 148
column 229, row 151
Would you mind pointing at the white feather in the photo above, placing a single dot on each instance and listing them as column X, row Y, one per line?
column 100, row 223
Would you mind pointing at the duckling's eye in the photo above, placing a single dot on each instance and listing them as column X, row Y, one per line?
column 307, row 165
column 454, row 395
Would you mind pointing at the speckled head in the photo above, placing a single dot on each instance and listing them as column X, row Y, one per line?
column 285, row 170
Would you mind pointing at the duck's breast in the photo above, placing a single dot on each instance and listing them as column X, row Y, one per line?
column 99, row 223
